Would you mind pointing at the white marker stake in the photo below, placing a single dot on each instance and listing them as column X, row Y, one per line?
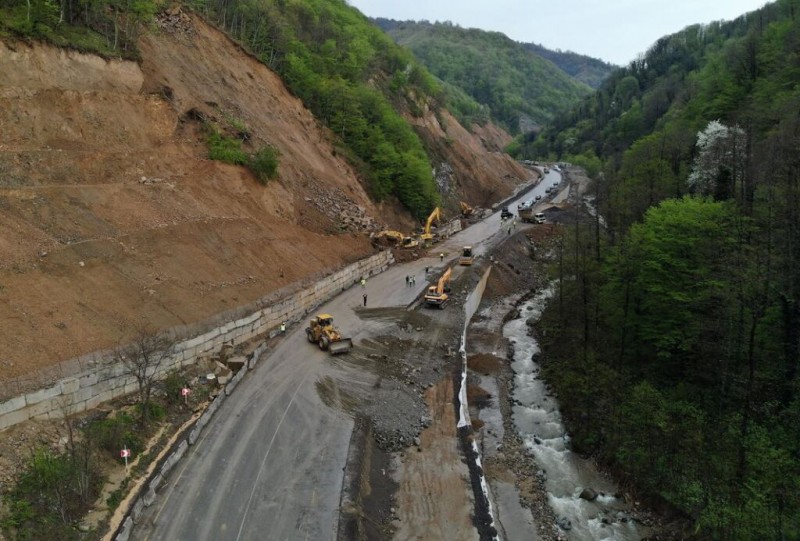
column 125, row 453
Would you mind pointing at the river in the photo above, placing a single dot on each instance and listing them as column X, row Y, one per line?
column 537, row 420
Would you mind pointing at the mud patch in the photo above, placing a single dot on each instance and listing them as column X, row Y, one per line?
column 334, row 396
column 485, row 364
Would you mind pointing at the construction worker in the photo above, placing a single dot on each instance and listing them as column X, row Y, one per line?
column 365, row 299
column 283, row 327
column 363, row 282
column 441, row 256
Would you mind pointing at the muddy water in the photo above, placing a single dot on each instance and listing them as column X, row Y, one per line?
column 537, row 419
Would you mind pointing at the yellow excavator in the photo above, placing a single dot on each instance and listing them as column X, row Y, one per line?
column 466, row 210
column 322, row 332
column 399, row 239
column 426, row 233
column 437, row 295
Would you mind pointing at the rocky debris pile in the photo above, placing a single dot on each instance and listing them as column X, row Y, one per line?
column 397, row 416
column 407, row 368
column 444, row 175
column 340, row 208
column 175, row 21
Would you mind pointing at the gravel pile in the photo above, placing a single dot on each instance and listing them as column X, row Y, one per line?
column 398, row 416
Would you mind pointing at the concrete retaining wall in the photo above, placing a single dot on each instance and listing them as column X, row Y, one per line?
column 108, row 379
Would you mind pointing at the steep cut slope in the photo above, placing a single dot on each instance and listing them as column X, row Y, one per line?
column 112, row 215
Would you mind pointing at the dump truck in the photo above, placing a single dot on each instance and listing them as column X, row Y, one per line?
column 437, row 295
column 467, row 257
column 530, row 216
column 322, row 332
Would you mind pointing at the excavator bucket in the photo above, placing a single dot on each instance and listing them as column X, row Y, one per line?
column 341, row 346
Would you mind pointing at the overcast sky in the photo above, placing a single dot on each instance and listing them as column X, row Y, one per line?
column 613, row 30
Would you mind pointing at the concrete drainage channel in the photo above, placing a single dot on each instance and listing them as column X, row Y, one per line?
column 484, row 514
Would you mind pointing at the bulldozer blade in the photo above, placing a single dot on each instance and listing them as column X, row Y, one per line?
column 341, row 346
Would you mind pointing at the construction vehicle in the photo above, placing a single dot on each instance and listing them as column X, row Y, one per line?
column 426, row 232
column 397, row 238
column 467, row 257
column 466, row 210
column 437, row 295
column 322, row 332
column 526, row 213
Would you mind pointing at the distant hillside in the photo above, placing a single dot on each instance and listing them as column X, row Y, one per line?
column 519, row 89
column 586, row 69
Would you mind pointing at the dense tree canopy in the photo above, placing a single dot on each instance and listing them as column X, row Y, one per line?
column 517, row 87
column 682, row 317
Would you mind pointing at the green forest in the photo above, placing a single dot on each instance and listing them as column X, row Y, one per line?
column 511, row 83
column 674, row 337
column 585, row 69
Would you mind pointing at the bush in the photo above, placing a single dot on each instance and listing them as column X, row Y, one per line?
column 154, row 411
column 54, row 492
column 172, row 385
column 265, row 164
column 226, row 149
column 114, row 433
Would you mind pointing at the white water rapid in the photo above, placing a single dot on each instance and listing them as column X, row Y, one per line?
column 537, row 419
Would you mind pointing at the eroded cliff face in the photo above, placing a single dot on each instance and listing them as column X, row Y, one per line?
column 112, row 215
column 470, row 166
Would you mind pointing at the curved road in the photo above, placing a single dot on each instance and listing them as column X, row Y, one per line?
column 270, row 464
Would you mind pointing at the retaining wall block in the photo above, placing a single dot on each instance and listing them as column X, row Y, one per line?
column 42, row 395
column 87, row 380
column 78, row 407
column 137, row 509
column 70, row 385
column 125, row 531
column 155, row 482
column 181, row 450
column 148, row 497
column 10, row 419
column 16, row 403
column 193, row 435
column 194, row 342
column 36, row 410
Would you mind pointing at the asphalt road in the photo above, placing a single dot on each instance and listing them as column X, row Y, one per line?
column 270, row 464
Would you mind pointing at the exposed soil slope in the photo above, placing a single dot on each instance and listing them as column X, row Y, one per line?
column 112, row 214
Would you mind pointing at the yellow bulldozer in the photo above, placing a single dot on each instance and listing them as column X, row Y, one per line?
column 466, row 209
column 437, row 295
column 322, row 332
